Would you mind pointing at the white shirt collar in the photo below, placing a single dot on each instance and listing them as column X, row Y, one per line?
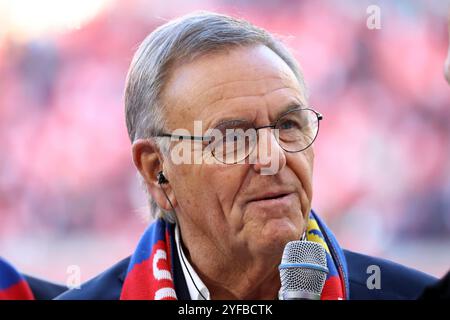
column 189, row 271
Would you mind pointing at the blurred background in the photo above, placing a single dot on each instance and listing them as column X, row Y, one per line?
column 68, row 189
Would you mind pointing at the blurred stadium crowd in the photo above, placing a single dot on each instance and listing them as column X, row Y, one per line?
column 68, row 188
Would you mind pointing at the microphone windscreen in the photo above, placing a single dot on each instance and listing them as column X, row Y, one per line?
column 303, row 271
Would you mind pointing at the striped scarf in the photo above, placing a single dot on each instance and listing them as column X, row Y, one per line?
column 13, row 285
column 150, row 272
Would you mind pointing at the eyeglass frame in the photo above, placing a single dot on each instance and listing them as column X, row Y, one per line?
column 272, row 126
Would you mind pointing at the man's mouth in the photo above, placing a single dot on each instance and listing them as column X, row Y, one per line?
column 273, row 198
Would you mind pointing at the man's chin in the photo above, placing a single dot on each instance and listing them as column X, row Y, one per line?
column 277, row 233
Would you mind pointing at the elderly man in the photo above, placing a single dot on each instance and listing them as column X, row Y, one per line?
column 222, row 133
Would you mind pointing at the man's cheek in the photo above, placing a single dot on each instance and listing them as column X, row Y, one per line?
column 308, row 161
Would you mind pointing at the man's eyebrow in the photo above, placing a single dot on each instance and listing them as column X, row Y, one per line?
column 296, row 104
column 291, row 106
column 228, row 120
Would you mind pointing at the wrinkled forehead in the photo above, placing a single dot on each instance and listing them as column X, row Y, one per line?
column 228, row 78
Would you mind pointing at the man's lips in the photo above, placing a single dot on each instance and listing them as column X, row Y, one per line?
column 273, row 198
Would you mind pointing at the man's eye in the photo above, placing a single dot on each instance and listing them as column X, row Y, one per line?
column 288, row 124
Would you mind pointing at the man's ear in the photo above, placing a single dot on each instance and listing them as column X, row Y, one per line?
column 149, row 161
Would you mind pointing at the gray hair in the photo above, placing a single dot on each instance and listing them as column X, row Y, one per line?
column 177, row 41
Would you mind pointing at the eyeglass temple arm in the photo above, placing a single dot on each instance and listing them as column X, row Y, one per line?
column 319, row 115
column 181, row 137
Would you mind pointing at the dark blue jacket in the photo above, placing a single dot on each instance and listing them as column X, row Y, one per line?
column 44, row 290
column 438, row 291
column 397, row 281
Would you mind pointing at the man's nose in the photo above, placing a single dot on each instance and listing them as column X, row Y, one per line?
column 270, row 157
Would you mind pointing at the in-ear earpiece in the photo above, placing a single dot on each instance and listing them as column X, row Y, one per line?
column 161, row 178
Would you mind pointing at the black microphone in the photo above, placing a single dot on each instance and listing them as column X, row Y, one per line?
column 303, row 271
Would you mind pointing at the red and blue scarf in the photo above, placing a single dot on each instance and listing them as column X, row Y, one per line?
column 150, row 273
column 13, row 285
